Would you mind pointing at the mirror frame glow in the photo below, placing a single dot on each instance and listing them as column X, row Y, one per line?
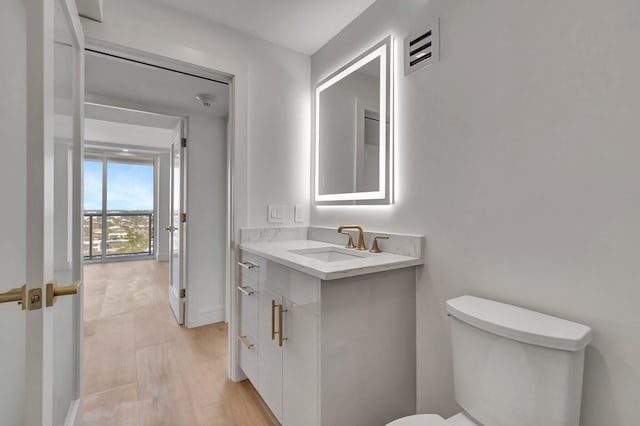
column 384, row 51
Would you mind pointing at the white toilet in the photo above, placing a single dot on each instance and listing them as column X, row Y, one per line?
column 511, row 367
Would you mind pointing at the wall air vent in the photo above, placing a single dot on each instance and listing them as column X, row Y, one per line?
column 422, row 49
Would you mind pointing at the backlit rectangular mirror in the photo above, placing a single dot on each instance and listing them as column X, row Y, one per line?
column 353, row 124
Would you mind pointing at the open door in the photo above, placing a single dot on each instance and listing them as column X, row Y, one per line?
column 178, row 226
column 41, row 113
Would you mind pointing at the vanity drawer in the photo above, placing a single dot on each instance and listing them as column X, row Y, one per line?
column 249, row 268
column 298, row 287
column 248, row 309
column 249, row 357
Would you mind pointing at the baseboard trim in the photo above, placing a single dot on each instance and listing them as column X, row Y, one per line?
column 205, row 317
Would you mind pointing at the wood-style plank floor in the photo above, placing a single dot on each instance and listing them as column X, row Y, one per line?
column 141, row 368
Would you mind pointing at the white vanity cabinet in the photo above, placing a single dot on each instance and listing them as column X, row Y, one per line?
column 283, row 365
column 347, row 354
column 288, row 344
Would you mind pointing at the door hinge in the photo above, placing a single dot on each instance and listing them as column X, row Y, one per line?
column 183, row 293
column 183, row 142
column 183, row 217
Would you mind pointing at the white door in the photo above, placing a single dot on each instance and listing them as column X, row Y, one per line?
column 41, row 59
column 178, row 226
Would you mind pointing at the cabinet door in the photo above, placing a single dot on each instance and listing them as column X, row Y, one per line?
column 269, row 353
column 300, row 366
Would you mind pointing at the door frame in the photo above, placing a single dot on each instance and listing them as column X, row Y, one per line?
column 211, row 66
column 40, row 139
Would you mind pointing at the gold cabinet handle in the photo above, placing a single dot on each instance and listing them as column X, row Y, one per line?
column 53, row 291
column 248, row 265
column 246, row 290
column 245, row 342
column 281, row 311
column 273, row 320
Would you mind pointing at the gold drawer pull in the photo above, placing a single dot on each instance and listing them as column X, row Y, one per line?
column 281, row 310
column 248, row 265
column 245, row 342
column 246, row 290
column 273, row 320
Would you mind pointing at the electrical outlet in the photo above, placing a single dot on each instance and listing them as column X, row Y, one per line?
column 275, row 213
column 298, row 213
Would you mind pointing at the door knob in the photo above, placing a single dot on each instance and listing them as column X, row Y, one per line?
column 54, row 290
column 15, row 295
column 170, row 228
column 28, row 299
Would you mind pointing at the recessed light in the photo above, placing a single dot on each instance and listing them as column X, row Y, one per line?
column 125, row 150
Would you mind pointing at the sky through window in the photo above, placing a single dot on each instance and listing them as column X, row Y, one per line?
column 129, row 186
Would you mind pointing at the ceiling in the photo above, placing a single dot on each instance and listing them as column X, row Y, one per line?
column 116, row 128
column 302, row 25
column 141, row 85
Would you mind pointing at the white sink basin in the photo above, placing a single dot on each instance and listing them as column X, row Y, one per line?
column 330, row 254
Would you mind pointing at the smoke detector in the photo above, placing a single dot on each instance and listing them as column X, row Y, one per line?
column 205, row 99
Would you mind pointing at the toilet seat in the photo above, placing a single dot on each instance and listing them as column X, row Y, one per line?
column 459, row 419
column 420, row 420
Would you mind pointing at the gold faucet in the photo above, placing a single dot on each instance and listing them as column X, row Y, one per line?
column 361, row 245
column 350, row 243
column 374, row 247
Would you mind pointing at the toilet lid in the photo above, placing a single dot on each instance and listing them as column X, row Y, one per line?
column 420, row 420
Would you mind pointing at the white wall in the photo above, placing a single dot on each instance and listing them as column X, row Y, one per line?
column 277, row 168
column 517, row 157
column 13, row 205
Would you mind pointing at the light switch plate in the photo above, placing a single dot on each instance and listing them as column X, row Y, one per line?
column 298, row 213
column 275, row 213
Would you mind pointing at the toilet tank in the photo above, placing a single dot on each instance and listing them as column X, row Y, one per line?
column 513, row 366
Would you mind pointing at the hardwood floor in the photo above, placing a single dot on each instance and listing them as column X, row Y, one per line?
column 141, row 368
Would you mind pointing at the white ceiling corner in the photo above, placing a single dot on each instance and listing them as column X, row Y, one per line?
column 301, row 25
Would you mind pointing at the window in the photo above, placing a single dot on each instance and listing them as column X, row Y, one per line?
column 122, row 223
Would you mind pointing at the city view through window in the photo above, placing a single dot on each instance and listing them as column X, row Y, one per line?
column 124, row 224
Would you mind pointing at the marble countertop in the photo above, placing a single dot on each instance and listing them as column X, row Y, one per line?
column 280, row 252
